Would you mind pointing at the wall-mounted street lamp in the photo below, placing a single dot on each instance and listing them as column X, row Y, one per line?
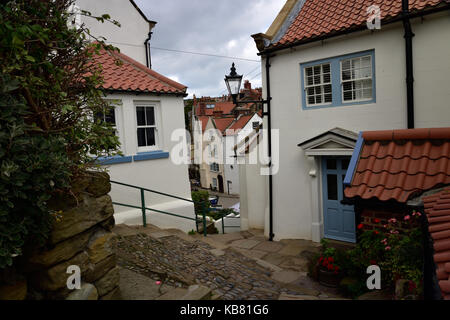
column 233, row 82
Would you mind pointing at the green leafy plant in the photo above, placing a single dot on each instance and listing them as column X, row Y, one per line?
column 49, row 92
column 201, row 201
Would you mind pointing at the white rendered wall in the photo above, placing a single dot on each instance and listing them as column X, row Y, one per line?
column 232, row 174
column 159, row 174
column 130, row 37
column 292, row 205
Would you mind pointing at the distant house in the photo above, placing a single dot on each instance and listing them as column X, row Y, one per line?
column 328, row 70
column 219, row 169
column 148, row 108
column 229, row 123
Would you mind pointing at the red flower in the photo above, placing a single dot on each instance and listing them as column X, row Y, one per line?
column 376, row 220
column 320, row 259
column 336, row 268
column 330, row 259
column 330, row 267
column 360, row 226
column 375, row 232
column 373, row 262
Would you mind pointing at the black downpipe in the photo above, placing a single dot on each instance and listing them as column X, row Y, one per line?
column 409, row 64
column 269, row 129
column 148, row 57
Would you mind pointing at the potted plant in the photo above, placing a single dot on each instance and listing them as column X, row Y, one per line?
column 329, row 272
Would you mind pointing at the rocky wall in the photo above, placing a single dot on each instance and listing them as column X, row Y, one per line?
column 82, row 237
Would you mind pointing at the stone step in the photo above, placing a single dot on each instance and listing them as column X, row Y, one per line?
column 194, row 292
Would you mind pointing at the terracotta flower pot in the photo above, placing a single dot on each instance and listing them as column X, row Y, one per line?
column 329, row 278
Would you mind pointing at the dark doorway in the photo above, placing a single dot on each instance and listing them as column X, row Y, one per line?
column 220, row 181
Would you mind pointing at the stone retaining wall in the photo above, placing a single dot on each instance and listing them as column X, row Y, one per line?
column 82, row 237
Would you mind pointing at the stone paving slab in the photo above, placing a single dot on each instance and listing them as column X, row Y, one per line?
column 245, row 243
column 275, row 258
column 286, row 276
column 285, row 296
column 252, row 253
column 269, row 246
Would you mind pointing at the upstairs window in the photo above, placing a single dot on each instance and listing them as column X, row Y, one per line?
column 146, row 128
column 210, row 106
column 339, row 81
column 356, row 79
column 214, row 167
column 318, row 84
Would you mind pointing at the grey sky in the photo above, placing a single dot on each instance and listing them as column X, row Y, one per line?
column 207, row 26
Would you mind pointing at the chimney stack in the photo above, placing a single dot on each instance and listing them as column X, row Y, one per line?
column 202, row 109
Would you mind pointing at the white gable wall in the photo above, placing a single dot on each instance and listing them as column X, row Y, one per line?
column 158, row 174
column 130, row 37
column 232, row 174
column 292, row 185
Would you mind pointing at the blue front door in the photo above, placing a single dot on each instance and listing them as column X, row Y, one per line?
column 339, row 219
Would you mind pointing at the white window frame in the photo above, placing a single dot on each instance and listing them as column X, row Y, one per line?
column 356, row 79
column 214, row 167
column 118, row 127
column 321, row 84
column 156, row 125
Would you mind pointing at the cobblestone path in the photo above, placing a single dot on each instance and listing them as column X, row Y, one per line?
column 179, row 262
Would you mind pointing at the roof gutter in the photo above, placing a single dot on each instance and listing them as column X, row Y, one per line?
column 353, row 29
column 409, row 64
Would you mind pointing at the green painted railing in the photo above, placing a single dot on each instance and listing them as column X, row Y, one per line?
column 225, row 215
column 144, row 208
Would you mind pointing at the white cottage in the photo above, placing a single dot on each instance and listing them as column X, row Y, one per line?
column 330, row 77
column 148, row 109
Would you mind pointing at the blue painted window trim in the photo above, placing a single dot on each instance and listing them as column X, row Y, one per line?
column 114, row 160
column 335, row 64
column 354, row 160
column 159, row 154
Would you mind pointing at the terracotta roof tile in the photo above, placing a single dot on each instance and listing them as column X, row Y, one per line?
column 322, row 17
column 398, row 164
column 440, row 233
column 133, row 76
column 241, row 122
column 225, row 106
column 223, row 123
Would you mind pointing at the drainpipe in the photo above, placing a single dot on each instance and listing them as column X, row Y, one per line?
column 148, row 57
column 269, row 127
column 409, row 63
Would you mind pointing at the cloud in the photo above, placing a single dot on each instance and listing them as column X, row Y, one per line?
column 208, row 26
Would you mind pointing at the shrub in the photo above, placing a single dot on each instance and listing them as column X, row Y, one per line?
column 201, row 201
column 49, row 91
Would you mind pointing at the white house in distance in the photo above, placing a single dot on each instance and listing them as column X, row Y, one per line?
column 331, row 78
column 148, row 109
column 219, row 168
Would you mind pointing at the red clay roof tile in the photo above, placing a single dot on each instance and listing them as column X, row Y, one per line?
column 399, row 164
column 323, row 17
column 133, row 76
column 440, row 233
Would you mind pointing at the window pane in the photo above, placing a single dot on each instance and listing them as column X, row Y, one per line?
column 140, row 113
column 141, row 137
column 331, row 164
column 345, row 163
column 150, row 112
column 332, row 187
column 110, row 116
column 309, row 71
column 150, row 136
column 346, row 65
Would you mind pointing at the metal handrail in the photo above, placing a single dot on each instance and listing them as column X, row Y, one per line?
column 144, row 208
